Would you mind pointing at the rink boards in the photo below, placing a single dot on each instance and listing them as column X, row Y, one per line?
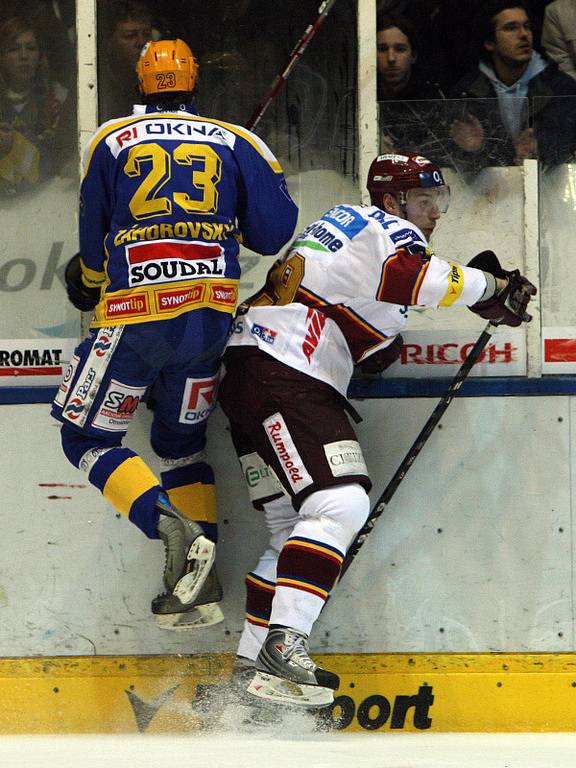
column 378, row 693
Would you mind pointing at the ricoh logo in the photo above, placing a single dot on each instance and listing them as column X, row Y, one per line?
column 455, row 354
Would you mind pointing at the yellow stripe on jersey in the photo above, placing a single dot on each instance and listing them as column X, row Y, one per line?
column 115, row 125
column 196, row 501
column 128, row 482
column 455, row 286
column 165, row 301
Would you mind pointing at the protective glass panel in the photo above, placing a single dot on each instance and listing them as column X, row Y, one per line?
column 557, row 220
column 469, row 141
column 38, row 189
column 310, row 124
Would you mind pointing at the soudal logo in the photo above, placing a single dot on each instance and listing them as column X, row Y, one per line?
column 167, row 260
column 31, row 362
column 455, row 354
column 170, row 300
column 129, row 306
column 223, row 294
column 315, row 322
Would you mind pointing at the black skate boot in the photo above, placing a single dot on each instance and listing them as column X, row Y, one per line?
column 189, row 577
column 285, row 672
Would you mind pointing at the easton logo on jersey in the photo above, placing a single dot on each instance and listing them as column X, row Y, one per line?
column 170, row 260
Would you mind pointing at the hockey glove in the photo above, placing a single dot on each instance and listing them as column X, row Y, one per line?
column 82, row 297
column 379, row 361
column 508, row 305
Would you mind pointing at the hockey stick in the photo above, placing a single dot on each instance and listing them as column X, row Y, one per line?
column 298, row 50
column 417, row 446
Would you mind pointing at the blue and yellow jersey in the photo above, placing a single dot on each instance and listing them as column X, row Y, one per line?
column 166, row 198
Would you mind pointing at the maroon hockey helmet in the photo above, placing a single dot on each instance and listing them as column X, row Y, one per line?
column 400, row 172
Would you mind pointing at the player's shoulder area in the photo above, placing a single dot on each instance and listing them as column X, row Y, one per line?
column 399, row 231
column 249, row 141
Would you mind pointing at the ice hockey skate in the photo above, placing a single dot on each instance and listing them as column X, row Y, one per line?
column 229, row 706
column 285, row 673
column 192, row 587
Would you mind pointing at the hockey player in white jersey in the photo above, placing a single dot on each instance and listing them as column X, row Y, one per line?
column 338, row 297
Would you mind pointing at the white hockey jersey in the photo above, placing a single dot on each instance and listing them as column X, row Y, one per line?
column 342, row 292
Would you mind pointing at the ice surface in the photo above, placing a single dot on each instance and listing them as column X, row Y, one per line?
column 336, row 750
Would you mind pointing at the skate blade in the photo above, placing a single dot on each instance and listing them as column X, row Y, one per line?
column 272, row 688
column 202, row 553
column 200, row 617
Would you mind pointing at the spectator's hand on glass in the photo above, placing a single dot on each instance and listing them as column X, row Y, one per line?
column 6, row 139
column 468, row 134
column 526, row 146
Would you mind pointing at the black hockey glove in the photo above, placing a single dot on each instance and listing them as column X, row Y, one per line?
column 82, row 297
column 508, row 305
column 379, row 361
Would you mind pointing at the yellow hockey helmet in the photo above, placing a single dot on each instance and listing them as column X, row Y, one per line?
column 166, row 66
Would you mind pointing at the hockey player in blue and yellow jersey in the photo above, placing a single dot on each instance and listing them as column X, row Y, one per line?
column 166, row 198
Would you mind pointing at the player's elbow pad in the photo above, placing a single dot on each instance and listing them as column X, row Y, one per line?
column 80, row 295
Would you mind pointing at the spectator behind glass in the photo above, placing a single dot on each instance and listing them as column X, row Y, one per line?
column 33, row 136
column 124, row 29
column 410, row 104
column 511, row 70
column 559, row 34
column 56, row 19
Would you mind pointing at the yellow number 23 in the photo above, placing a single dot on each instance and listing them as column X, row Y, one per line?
column 154, row 163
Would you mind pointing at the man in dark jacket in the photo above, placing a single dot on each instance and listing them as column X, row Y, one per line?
column 528, row 120
column 411, row 105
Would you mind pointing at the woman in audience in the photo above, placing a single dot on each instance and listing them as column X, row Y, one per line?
column 34, row 135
